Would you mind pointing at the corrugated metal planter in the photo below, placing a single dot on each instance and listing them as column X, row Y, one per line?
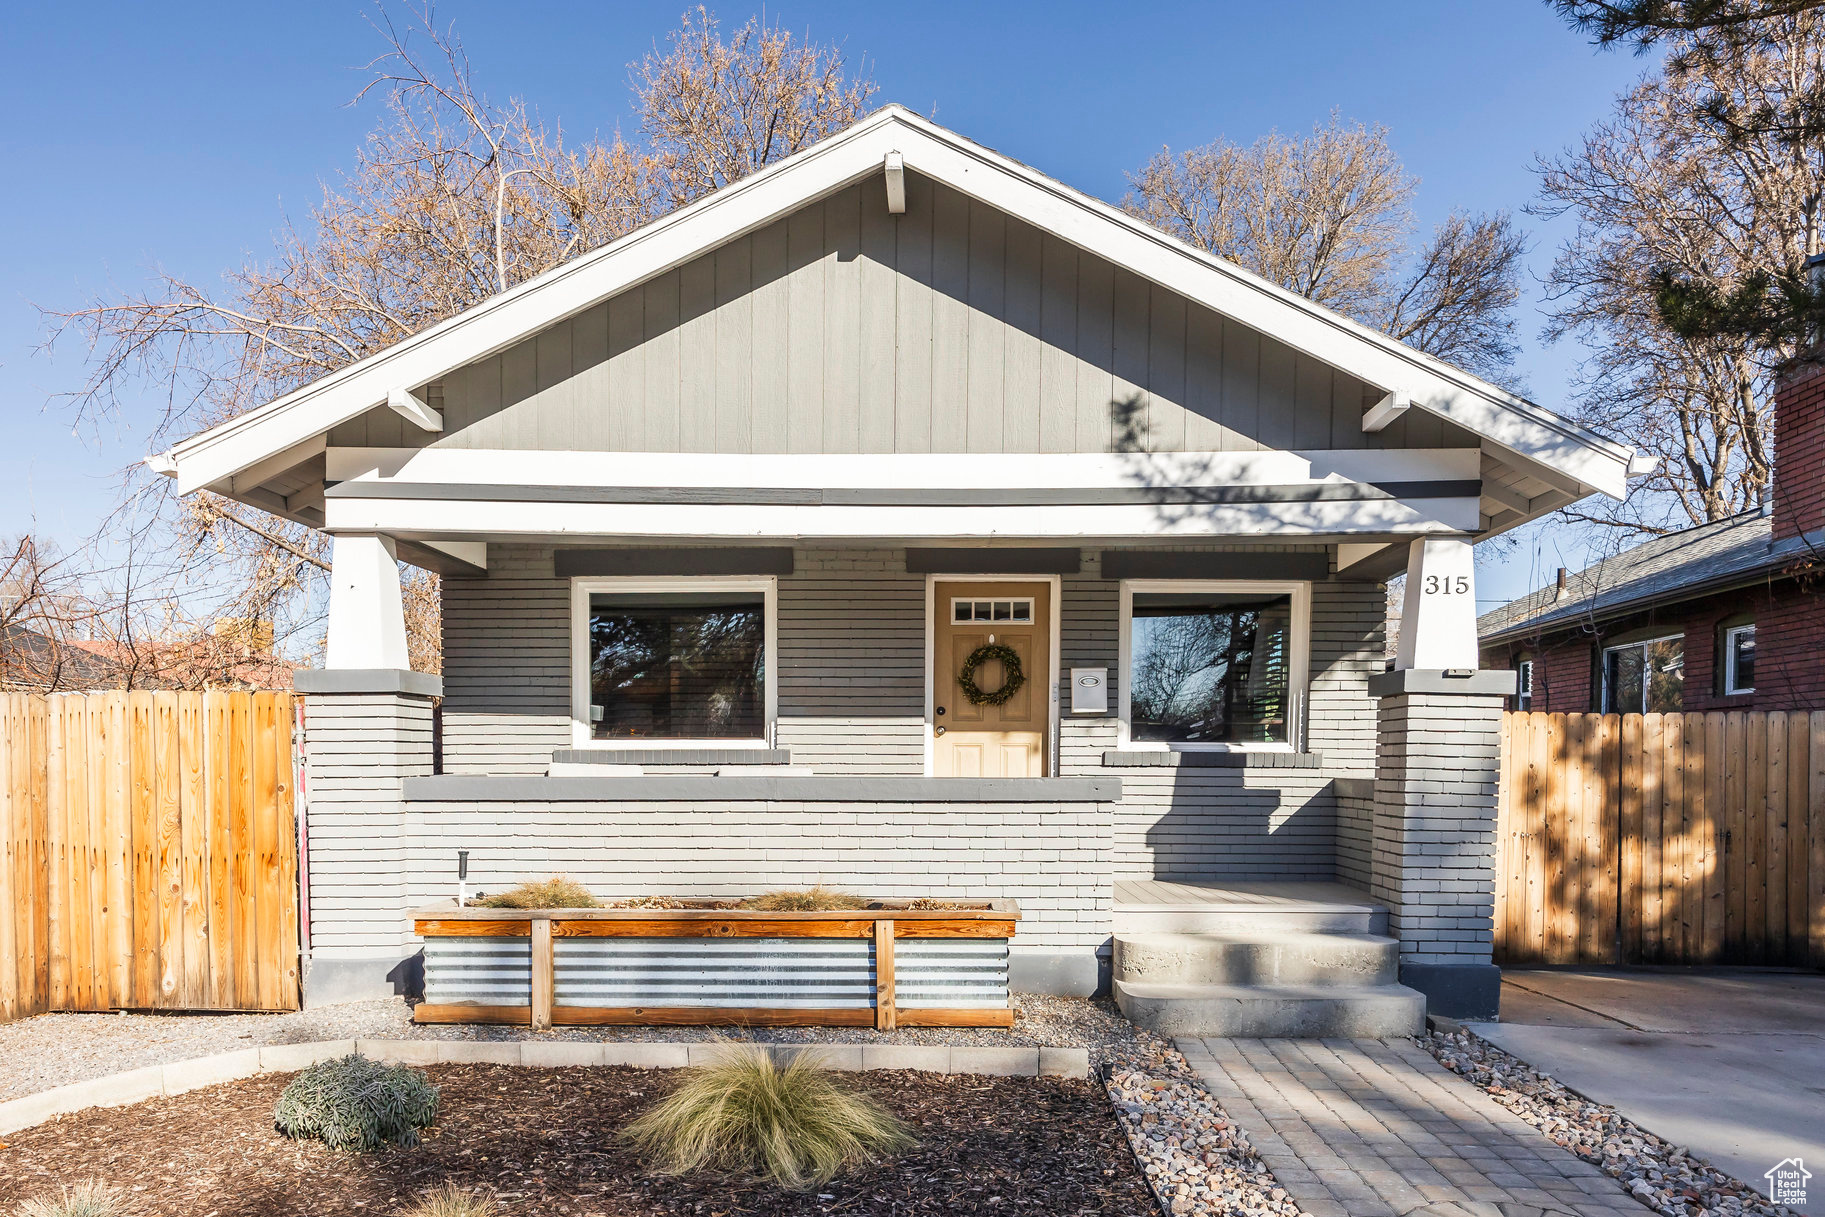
column 884, row 966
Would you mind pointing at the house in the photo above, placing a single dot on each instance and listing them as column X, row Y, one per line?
column 902, row 519
column 1723, row 616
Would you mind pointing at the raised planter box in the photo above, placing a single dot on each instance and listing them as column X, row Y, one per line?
column 885, row 966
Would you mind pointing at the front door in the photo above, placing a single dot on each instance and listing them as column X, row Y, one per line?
column 983, row 739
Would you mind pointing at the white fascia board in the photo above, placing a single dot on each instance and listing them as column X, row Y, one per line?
column 468, row 518
column 1510, row 422
column 961, row 471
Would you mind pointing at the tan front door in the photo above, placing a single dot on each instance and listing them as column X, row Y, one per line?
column 1005, row 741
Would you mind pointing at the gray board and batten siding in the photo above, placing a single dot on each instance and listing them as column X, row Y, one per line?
column 951, row 328
column 851, row 701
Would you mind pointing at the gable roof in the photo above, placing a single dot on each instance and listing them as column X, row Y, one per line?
column 1677, row 566
column 1568, row 455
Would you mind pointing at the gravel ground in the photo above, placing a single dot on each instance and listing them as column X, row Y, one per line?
column 56, row 1049
column 1199, row 1162
column 1662, row 1176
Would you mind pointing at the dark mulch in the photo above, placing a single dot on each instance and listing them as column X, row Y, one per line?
column 545, row 1139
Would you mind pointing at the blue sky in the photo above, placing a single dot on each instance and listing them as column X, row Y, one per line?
column 181, row 135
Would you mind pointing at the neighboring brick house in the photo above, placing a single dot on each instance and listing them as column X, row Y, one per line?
column 1726, row 616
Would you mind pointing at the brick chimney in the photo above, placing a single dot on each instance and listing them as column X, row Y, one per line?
column 1799, row 438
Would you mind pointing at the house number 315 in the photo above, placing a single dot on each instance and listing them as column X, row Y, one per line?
column 1447, row 585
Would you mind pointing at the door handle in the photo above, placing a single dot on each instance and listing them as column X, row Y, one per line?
column 941, row 711
column 938, row 731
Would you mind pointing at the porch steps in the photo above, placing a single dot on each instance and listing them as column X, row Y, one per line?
column 1269, row 975
column 1274, row 1011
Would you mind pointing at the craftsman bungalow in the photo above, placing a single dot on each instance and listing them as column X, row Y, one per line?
column 902, row 519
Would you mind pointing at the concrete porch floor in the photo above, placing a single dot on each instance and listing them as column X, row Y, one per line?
column 1289, row 897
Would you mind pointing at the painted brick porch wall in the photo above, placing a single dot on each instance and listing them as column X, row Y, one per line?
column 1053, row 859
column 851, row 700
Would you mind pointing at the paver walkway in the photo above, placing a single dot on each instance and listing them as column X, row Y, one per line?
column 1378, row 1128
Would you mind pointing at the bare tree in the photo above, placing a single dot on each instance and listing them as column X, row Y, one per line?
column 715, row 111
column 1659, row 194
column 1329, row 215
column 453, row 198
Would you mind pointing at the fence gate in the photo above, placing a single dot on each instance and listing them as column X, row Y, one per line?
column 150, row 852
column 1662, row 838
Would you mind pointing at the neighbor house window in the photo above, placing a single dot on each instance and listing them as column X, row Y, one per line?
column 679, row 660
column 1739, row 659
column 1645, row 677
column 1213, row 665
column 1524, row 685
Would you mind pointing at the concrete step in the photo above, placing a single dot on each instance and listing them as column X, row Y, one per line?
column 1246, row 922
column 1274, row 1011
column 1351, row 960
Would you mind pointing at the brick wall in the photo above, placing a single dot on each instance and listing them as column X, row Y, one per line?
column 1789, row 616
column 358, row 748
column 1053, row 859
column 1435, row 821
column 1799, row 452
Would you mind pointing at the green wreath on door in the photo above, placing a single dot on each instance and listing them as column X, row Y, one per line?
column 1012, row 675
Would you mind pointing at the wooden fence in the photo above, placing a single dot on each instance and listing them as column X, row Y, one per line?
column 1662, row 838
column 150, row 852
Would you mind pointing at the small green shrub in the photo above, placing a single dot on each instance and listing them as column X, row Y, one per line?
column 88, row 1199
column 452, row 1201
column 795, row 1125
column 355, row 1103
column 819, row 899
column 556, row 892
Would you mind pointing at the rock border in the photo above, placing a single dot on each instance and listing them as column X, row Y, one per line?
column 153, row 1081
column 1662, row 1175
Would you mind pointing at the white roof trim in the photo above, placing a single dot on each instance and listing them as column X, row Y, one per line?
column 1511, row 423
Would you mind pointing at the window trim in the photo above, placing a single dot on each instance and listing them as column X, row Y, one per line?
column 580, row 591
column 1298, row 665
column 1603, row 667
column 1731, row 688
column 1524, row 686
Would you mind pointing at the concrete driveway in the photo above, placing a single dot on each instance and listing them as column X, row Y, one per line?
column 1728, row 1062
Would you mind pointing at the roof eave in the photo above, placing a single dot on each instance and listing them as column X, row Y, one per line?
column 1518, row 427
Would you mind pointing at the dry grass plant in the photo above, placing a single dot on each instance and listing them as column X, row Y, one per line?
column 557, row 892
column 795, row 1125
column 87, row 1199
column 816, row 899
column 452, row 1201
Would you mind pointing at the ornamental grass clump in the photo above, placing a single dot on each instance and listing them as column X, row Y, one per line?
column 794, row 1125
column 452, row 1201
column 818, row 899
column 87, row 1199
column 556, row 892
column 355, row 1103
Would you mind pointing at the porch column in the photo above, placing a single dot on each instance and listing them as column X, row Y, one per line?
column 367, row 619
column 365, row 731
column 1437, row 761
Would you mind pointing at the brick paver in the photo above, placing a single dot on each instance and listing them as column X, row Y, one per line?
column 1378, row 1128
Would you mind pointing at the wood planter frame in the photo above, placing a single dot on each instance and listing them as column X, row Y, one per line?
column 887, row 922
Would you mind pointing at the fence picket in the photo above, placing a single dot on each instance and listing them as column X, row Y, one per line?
column 1799, row 774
